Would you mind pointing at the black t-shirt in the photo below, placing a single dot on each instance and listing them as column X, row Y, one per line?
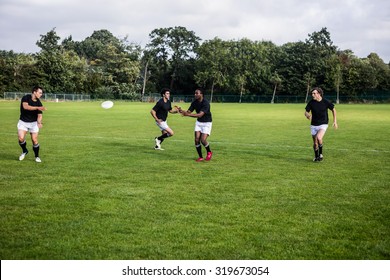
column 162, row 108
column 319, row 111
column 27, row 115
column 204, row 107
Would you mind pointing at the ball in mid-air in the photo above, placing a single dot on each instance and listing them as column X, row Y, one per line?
column 107, row 104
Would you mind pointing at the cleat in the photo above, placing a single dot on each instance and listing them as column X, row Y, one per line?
column 158, row 144
column 209, row 155
column 200, row 159
column 158, row 148
column 321, row 157
column 316, row 159
column 23, row 155
column 37, row 159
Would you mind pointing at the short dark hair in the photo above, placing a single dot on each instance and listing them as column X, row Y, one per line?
column 35, row 88
column 319, row 90
column 164, row 90
column 200, row 90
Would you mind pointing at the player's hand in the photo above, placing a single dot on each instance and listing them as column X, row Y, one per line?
column 42, row 108
column 335, row 125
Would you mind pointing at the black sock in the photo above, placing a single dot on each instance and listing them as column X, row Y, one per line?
column 23, row 145
column 320, row 149
column 316, row 152
column 162, row 137
column 199, row 150
column 36, row 150
column 208, row 148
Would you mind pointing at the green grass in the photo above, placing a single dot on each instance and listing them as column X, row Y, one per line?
column 103, row 192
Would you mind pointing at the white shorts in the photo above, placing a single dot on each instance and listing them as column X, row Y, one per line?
column 162, row 125
column 31, row 127
column 203, row 127
column 315, row 128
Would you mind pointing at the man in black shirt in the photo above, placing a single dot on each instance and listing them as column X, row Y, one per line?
column 160, row 115
column 30, row 121
column 318, row 107
column 203, row 123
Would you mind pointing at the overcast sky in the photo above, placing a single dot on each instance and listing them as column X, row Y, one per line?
column 362, row 26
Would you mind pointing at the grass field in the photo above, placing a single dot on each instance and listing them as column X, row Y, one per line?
column 103, row 192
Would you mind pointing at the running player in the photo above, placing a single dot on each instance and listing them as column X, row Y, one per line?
column 318, row 107
column 160, row 115
column 30, row 121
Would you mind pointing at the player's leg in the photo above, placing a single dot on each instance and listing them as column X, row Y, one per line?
column 320, row 136
column 205, row 133
column 165, row 133
column 198, row 145
column 206, row 144
column 314, row 131
column 22, row 142
column 34, row 139
column 315, row 148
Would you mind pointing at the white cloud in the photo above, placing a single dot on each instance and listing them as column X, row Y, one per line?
column 360, row 25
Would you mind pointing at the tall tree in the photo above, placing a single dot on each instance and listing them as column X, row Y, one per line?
column 173, row 50
column 382, row 71
column 249, row 66
column 293, row 65
column 358, row 77
column 17, row 71
column 321, row 50
column 212, row 64
column 52, row 63
column 276, row 80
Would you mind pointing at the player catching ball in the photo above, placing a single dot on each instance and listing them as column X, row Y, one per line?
column 318, row 107
column 203, row 123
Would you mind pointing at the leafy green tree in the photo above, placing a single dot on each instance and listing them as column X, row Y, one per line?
column 382, row 71
column 212, row 64
column 76, row 72
column 249, row 67
column 172, row 51
column 303, row 64
column 111, row 65
column 293, row 65
column 105, row 66
column 276, row 80
column 334, row 74
column 358, row 77
column 51, row 62
column 320, row 52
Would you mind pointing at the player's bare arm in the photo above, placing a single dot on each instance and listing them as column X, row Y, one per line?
column 39, row 121
column 153, row 113
column 189, row 114
column 335, row 125
column 33, row 108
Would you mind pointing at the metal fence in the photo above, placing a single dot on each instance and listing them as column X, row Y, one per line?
column 363, row 98
column 56, row 97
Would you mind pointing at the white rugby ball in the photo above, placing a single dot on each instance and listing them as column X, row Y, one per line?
column 107, row 104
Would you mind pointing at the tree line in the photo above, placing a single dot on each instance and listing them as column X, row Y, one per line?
column 105, row 66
